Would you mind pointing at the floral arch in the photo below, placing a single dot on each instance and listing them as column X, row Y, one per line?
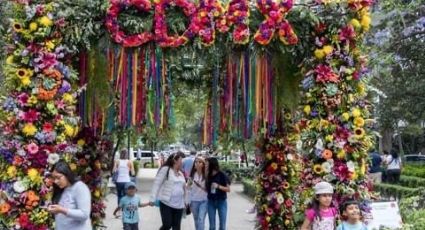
column 269, row 50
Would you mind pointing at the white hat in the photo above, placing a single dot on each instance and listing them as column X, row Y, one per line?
column 323, row 188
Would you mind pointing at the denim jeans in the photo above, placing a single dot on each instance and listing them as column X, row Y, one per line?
column 221, row 207
column 120, row 186
column 199, row 211
column 134, row 226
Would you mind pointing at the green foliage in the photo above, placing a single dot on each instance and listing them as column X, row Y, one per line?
column 398, row 191
column 412, row 181
column 414, row 170
column 236, row 173
column 136, row 165
column 133, row 21
column 412, row 210
column 249, row 188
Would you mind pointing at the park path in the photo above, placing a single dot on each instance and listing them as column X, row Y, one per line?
column 237, row 218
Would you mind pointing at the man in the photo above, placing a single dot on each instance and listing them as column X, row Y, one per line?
column 375, row 171
column 188, row 163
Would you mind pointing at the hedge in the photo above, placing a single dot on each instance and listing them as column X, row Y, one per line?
column 249, row 188
column 412, row 181
column 414, row 170
column 397, row 191
column 238, row 174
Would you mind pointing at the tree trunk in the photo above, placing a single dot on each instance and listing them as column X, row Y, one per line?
column 385, row 142
column 152, row 163
column 119, row 140
column 400, row 145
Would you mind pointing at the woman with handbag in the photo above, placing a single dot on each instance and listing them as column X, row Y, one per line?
column 198, row 195
column 169, row 188
column 121, row 173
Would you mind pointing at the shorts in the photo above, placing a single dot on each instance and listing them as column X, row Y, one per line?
column 134, row 226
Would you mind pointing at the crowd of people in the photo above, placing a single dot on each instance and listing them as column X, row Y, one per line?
column 183, row 185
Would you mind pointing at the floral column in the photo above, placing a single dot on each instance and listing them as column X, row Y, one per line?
column 39, row 115
column 334, row 128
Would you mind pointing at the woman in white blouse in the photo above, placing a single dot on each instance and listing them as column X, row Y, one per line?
column 198, row 195
column 169, row 188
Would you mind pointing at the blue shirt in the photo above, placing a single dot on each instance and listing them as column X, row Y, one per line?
column 130, row 209
column 348, row 226
column 376, row 163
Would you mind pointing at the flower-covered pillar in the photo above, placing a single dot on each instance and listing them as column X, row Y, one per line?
column 335, row 137
column 39, row 114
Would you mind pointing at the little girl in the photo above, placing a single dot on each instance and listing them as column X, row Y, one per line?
column 321, row 215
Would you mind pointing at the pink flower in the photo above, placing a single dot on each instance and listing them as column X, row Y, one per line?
column 325, row 74
column 347, row 33
column 23, row 99
column 31, row 115
column 32, row 148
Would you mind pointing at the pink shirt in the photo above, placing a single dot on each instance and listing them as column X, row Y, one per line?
column 326, row 223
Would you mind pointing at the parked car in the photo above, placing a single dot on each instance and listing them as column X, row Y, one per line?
column 414, row 158
column 145, row 157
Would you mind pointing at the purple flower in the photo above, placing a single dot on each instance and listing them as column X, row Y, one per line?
column 7, row 155
column 66, row 87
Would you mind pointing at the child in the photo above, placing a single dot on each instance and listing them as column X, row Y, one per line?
column 350, row 211
column 321, row 215
column 129, row 205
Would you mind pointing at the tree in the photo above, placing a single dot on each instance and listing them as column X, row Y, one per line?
column 397, row 65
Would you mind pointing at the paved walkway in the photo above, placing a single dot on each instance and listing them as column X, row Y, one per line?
column 237, row 218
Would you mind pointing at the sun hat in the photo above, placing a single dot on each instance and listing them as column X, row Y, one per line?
column 323, row 188
column 130, row 185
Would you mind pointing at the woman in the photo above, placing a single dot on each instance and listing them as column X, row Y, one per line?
column 393, row 167
column 169, row 188
column 198, row 193
column 71, row 200
column 218, row 185
column 122, row 167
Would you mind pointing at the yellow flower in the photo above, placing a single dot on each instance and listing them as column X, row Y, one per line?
column 96, row 193
column 34, row 175
column 33, row 26
column 32, row 100
column 361, row 88
column 25, row 81
column 9, row 60
column 29, row 129
column 359, row 133
column 50, row 45
column 11, row 171
column 341, row 154
column 60, row 138
column 358, row 121
column 68, row 98
column 307, row 109
column 319, row 53
column 345, row 116
column 355, row 23
column 45, row 21
column 354, row 176
column 81, row 142
column 328, row 49
column 73, row 166
column 356, row 112
column 324, row 123
column 365, row 22
column 317, row 168
column 17, row 27
column 329, row 138
column 69, row 130
column 21, row 72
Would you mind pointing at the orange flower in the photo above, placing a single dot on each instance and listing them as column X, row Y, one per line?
column 4, row 208
column 327, row 154
column 46, row 94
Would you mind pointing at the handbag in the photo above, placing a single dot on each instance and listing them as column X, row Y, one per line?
column 115, row 176
column 188, row 211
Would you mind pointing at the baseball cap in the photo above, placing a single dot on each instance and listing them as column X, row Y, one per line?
column 130, row 185
column 323, row 188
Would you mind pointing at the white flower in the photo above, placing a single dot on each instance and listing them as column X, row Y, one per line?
column 319, row 144
column 21, row 152
column 351, row 166
column 53, row 158
column 327, row 167
column 19, row 187
column 280, row 199
column 290, row 157
column 299, row 145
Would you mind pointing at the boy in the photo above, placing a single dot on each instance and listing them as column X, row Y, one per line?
column 351, row 216
column 129, row 205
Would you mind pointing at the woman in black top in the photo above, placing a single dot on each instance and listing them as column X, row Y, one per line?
column 218, row 185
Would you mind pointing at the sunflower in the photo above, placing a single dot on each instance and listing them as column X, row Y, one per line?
column 359, row 133
column 285, row 185
column 17, row 27
column 22, row 72
column 317, row 168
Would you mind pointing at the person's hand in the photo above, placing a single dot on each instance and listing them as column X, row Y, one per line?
column 151, row 203
column 214, row 185
column 56, row 209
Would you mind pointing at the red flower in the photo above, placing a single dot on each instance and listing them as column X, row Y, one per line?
column 347, row 33
column 23, row 99
column 24, row 220
column 325, row 74
column 31, row 115
column 47, row 127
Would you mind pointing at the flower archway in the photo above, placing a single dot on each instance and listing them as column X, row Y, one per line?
column 266, row 50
